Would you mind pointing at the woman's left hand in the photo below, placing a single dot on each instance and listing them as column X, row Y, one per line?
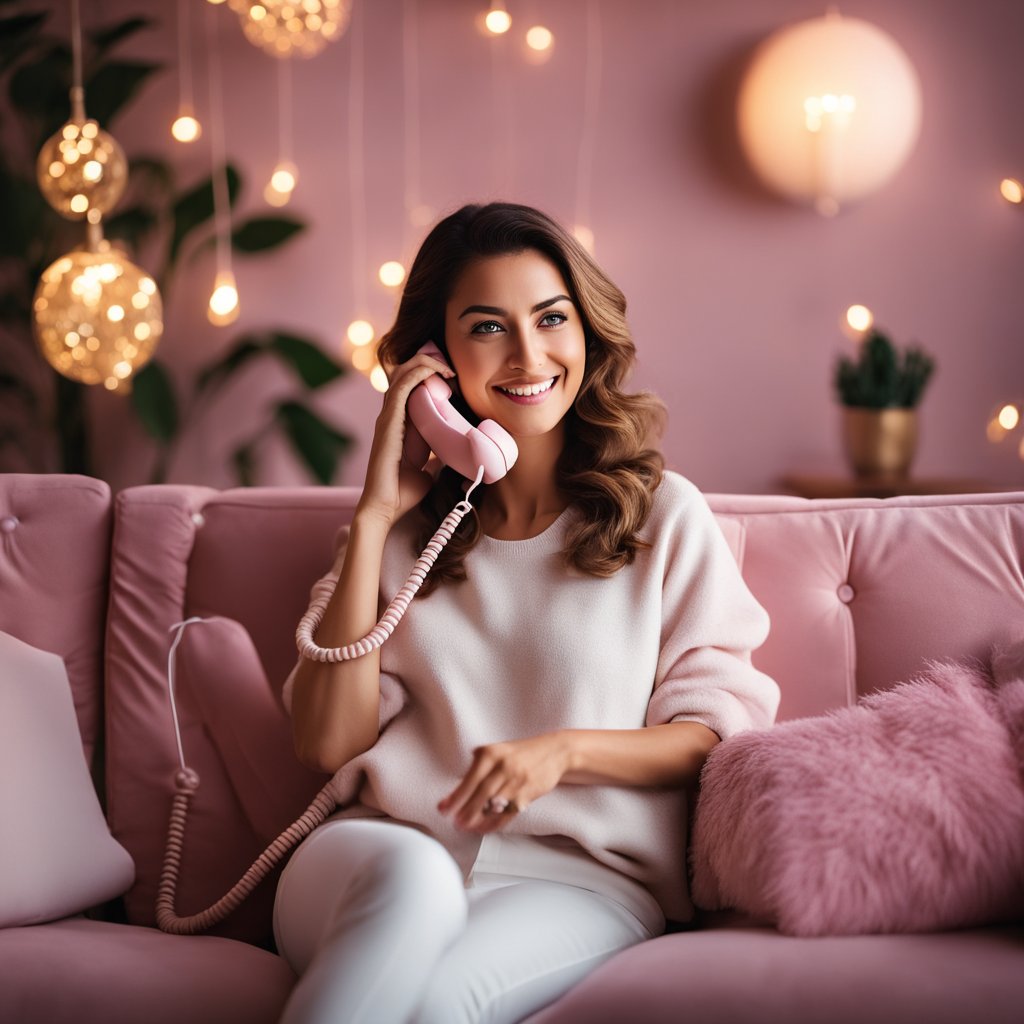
column 504, row 779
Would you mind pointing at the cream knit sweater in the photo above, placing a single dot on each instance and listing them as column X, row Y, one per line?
column 525, row 646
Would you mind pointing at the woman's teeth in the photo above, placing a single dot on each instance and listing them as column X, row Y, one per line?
column 533, row 389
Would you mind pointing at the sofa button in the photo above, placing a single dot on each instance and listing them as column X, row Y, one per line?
column 198, row 518
column 846, row 593
column 9, row 524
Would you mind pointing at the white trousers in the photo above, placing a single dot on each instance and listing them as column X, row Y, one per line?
column 376, row 920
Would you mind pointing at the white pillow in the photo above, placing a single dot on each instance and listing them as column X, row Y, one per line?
column 57, row 857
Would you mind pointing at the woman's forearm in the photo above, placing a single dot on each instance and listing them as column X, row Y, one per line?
column 662, row 755
column 336, row 707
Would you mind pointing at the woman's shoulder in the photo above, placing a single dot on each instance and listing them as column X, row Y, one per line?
column 676, row 497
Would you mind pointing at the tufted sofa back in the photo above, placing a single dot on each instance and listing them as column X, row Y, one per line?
column 860, row 593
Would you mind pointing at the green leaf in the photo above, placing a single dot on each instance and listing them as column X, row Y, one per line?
column 152, row 396
column 39, row 90
column 317, row 443
column 131, row 225
column 244, row 350
column 314, row 367
column 196, row 207
column 144, row 170
column 263, row 233
column 105, row 38
column 113, row 86
column 16, row 35
column 22, row 211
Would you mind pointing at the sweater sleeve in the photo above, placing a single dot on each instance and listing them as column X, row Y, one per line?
column 392, row 693
column 711, row 623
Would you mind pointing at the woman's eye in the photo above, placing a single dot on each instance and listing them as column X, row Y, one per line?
column 488, row 327
column 554, row 319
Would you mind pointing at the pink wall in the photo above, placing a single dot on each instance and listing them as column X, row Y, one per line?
column 735, row 297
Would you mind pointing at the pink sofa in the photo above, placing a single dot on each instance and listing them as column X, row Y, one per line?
column 860, row 592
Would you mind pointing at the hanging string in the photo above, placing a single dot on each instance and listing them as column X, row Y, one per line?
column 184, row 60
column 411, row 118
column 284, row 110
column 219, row 171
column 357, row 185
column 77, row 89
column 591, row 96
column 502, row 117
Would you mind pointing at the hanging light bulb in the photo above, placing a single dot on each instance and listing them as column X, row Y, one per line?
column 584, row 236
column 1012, row 190
column 223, row 308
column 81, row 168
column 186, row 127
column 540, row 44
column 497, row 20
column 360, row 332
column 391, row 273
column 282, row 183
column 857, row 321
column 286, row 28
column 97, row 317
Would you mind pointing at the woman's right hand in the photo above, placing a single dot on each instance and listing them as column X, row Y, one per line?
column 392, row 487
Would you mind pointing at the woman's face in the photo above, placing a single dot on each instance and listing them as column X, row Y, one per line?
column 516, row 342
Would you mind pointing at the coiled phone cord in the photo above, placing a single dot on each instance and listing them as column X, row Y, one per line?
column 186, row 780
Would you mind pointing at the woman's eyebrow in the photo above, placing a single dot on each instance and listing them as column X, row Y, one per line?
column 498, row 311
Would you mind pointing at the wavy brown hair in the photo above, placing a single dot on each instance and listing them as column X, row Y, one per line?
column 607, row 467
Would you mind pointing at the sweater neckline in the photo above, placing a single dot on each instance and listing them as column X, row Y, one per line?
column 552, row 538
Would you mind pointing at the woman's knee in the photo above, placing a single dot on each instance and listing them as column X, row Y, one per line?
column 352, row 871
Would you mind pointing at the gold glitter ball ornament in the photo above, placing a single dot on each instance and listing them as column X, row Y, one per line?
column 97, row 316
column 81, row 168
column 287, row 28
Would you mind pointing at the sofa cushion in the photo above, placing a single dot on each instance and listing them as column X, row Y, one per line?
column 54, row 555
column 57, row 856
column 904, row 813
column 95, row 972
column 750, row 975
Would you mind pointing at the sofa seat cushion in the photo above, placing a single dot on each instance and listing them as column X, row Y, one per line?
column 759, row 976
column 79, row 971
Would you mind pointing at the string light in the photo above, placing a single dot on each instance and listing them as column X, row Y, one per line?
column 360, row 332
column 378, row 378
column 285, row 175
column 1003, row 421
column 286, row 28
column 186, row 126
column 588, row 126
column 497, row 20
column 540, row 44
column 1012, row 190
column 224, row 305
column 97, row 317
column 391, row 273
column 859, row 319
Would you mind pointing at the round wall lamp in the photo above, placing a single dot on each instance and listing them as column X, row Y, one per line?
column 828, row 111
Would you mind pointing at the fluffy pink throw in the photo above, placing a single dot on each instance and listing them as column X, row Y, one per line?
column 904, row 813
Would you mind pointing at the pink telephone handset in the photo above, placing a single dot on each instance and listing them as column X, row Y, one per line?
column 437, row 425
column 485, row 452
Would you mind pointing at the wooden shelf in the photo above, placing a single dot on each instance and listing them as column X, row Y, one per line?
column 819, row 485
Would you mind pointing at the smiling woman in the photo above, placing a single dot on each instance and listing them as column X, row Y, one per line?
column 540, row 717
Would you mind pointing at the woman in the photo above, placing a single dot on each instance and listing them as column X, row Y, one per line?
column 514, row 760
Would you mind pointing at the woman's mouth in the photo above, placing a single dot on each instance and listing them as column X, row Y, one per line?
column 528, row 394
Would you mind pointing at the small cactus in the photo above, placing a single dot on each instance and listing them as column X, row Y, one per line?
column 878, row 379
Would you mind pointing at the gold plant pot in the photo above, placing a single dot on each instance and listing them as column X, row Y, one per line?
column 880, row 442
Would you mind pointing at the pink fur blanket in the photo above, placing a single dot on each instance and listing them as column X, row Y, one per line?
column 904, row 813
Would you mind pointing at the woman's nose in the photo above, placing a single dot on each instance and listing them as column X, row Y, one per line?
column 526, row 351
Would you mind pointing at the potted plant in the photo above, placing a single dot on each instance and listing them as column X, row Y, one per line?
column 880, row 390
